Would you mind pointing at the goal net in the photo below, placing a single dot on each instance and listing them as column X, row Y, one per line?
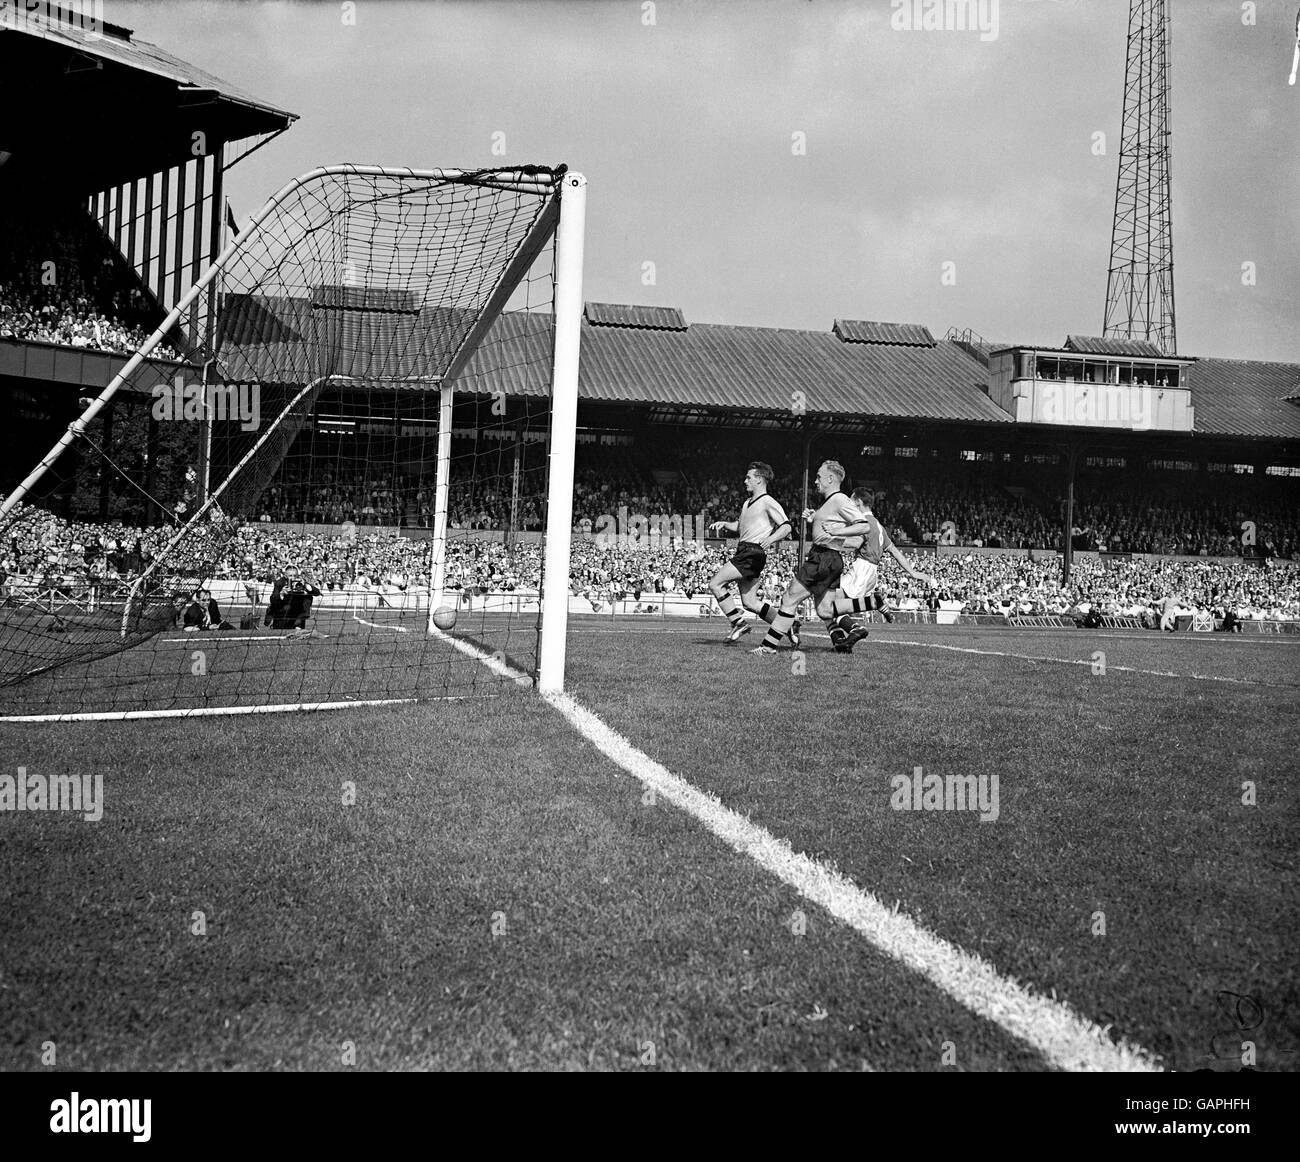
column 340, row 493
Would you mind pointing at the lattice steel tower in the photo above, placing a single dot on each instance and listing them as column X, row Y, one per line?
column 1140, row 285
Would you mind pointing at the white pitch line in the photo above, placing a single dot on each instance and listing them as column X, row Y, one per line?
column 686, row 625
column 202, row 711
column 1081, row 662
column 1217, row 640
column 1064, row 1038
column 278, row 637
column 373, row 625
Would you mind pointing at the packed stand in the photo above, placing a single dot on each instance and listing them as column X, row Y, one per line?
column 363, row 496
column 61, row 282
column 42, row 549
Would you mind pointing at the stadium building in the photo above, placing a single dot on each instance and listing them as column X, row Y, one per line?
column 114, row 238
column 104, row 237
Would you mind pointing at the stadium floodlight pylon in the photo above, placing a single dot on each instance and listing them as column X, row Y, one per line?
column 367, row 319
column 1140, row 277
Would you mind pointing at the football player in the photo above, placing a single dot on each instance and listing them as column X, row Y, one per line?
column 761, row 523
column 819, row 575
column 857, row 592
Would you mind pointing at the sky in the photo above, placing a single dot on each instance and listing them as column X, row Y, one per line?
column 784, row 163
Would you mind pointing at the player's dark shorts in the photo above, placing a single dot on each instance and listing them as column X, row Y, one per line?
column 750, row 560
column 822, row 569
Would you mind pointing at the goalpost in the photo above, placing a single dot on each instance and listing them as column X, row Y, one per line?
column 394, row 371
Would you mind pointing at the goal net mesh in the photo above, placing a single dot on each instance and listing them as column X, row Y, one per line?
column 254, row 518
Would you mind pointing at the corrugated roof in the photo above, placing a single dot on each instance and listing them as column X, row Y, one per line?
column 272, row 339
column 1095, row 345
column 365, row 298
column 778, row 371
column 705, row 366
column 901, row 334
column 1235, row 397
column 624, row 315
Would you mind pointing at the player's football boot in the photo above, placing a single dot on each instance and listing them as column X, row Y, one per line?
column 739, row 632
column 856, row 634
column 841, row 631
column 763, row 651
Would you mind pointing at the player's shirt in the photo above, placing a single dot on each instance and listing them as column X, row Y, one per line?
column 876, row 543
column 836, row 511
column 759, row 515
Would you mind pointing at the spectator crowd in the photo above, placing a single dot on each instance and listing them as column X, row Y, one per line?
column 360, row 495
column 61, row 282
column 48, row 551
column 1140, row 516
column 70, row 322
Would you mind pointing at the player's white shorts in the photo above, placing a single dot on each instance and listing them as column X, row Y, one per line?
column 859, row 579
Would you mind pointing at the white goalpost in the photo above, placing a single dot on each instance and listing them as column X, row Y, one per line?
column 564, row 429
column 438, row 557
column 379, row 316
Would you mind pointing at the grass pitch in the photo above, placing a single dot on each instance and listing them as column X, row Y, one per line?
column 495, row 893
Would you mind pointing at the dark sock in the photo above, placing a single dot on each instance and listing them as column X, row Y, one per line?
column 767, row 613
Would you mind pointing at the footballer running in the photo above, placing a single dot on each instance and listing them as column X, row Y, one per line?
column 819, row 575
column 857, row 592
column 762, row 522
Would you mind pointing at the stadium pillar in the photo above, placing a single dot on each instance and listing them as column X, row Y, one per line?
column 196, row 247
column 514, row 490
column 1067, row 558
column 160, row 285
column 151, row 472
column 204, row 472
column 808, row 438
column 216, row 244
column 105, row 480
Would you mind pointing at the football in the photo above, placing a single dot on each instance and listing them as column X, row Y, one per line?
column 445, row 617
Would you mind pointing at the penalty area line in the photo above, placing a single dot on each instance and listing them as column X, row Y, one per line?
column 1066, row 1040
column 210, row 711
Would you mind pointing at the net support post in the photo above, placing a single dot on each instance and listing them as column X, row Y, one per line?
column 441, row 495
column 564, row 422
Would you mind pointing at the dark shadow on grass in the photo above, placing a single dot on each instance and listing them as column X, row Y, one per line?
column 479, row 644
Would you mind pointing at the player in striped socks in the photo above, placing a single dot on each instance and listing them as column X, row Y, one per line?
column 819, row 575
column 857, row 592
column 762, row 522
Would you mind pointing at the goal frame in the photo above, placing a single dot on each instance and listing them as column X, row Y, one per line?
column 563, row 219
